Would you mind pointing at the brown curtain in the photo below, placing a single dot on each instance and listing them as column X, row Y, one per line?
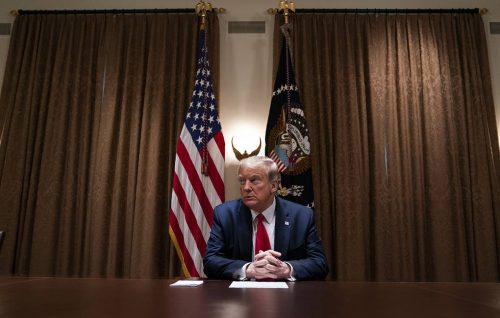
column 404, row 139
column 90, row 112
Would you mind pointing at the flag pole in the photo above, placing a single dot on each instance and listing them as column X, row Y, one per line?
column 202, row 8
column 286, row 7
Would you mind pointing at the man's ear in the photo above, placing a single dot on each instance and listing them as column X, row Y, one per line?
column 274, row 187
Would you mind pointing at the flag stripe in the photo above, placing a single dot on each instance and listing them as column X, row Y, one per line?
column 192, row 200
column 216, row 178
column 195, row 180
column 221, row 145
column 189, row 217
column 182, row 250
column 188, row 189
column 275, row 158
column 188, row 240
column 195, row 158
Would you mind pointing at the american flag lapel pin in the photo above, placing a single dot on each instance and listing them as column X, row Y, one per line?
column 286, row 223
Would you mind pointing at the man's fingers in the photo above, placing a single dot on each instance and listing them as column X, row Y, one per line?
column 266, row 276
column 273, row 260
column 268, row 260
column 261, row 270
column 261, row 255
column 261, row 263
column 275, row 253
column 268, row 253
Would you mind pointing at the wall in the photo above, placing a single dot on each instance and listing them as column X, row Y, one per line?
column 246, row 59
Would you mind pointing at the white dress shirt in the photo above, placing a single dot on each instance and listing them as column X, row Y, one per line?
column 269, row 224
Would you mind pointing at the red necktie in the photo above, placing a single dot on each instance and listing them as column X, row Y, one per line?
column 261, row 238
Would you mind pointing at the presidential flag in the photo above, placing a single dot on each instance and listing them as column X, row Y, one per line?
column 287, row 135
column 198, row 181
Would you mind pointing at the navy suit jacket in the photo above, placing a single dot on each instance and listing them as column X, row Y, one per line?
column 296, row 238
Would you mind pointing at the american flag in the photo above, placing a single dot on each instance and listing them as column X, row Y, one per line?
column 198, row 182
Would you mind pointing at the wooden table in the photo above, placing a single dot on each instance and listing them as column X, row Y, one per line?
column 85, row 297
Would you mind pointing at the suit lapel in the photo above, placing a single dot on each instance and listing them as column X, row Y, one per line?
column 282, row 230
column 245, row 232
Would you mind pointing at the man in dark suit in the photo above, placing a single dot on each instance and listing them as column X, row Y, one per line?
column 294, row 250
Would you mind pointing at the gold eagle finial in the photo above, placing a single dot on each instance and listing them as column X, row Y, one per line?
column 240, row 156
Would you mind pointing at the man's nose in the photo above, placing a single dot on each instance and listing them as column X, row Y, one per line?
column 247, row 186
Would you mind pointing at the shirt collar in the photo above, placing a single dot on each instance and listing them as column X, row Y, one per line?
column 268, row 213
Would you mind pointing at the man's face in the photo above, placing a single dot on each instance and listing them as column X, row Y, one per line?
column 257, row 192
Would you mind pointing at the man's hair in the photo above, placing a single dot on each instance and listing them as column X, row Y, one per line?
column 260, row 161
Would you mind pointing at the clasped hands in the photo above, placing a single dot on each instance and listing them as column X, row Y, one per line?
column 266, row 265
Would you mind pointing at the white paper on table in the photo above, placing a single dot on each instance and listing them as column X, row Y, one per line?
column 252, row 284
column 187, row 283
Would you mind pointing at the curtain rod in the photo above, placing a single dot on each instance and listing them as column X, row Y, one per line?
column 222, row 10
column 352, row 10
column 108, row 11
column 475, row 10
